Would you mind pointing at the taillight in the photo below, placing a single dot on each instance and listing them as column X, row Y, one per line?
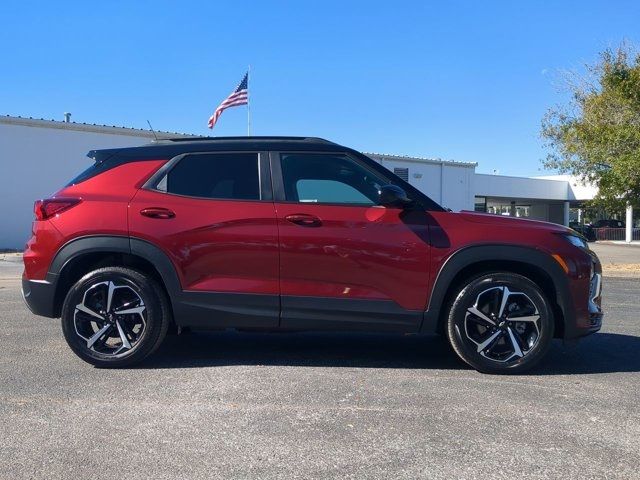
column 49, row 207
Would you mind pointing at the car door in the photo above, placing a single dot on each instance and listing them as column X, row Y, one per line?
column 346, row 262
column 213, row 216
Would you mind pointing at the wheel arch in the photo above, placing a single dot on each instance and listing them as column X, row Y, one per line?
column 474, row 261
column 85, row 254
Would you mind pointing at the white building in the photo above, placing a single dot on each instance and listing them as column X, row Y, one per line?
column 39, row 156
column 449, row 183
column 457, row 186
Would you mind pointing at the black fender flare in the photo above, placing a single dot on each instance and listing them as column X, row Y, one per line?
column 160, row 261
column 533, row 258
column 83, row 245
column 116, row 244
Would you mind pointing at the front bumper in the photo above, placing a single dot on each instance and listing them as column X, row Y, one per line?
column 39, row 295
column 584, row 314
column 595, row 309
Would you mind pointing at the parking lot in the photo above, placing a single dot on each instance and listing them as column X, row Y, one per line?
column 228, row 405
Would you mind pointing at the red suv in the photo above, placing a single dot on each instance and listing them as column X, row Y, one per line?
column 281, row 233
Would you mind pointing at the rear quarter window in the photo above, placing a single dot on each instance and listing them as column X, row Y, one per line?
column 224, row 176
column 87, row 173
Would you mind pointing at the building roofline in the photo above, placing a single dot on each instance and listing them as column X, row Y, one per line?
column 406, row 158
column 164, row 136
column 499, row 175
column 89, row 127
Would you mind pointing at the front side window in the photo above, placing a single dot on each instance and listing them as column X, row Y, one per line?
column 328, row 178
column 226, row 176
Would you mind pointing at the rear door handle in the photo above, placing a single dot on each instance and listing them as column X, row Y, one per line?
column 157, row 212
column 304, row 220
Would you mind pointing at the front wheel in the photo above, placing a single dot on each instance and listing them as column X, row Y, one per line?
column 500, row 323
column 115, row 317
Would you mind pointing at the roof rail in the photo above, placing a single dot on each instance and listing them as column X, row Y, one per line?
column 246, row 139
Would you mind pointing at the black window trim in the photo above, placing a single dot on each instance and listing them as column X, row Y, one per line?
column 264, row 176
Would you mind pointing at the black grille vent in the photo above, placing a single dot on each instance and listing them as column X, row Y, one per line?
column 403, row 173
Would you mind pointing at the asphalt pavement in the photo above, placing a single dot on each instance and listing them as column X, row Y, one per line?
column 229, row 405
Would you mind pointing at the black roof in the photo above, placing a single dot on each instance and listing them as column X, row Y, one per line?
column 165, row 149
column 245, row 139
column 172, row 147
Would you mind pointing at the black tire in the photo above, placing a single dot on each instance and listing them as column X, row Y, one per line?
column 144, row 329
column 492, row 346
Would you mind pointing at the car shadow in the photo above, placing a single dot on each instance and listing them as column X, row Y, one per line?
column 600, row 353
column 317, row 349
column 597, row 353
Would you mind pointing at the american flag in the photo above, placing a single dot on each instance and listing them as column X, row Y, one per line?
column 240, row 96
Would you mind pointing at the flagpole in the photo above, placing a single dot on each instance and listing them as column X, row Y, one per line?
column 248, row 104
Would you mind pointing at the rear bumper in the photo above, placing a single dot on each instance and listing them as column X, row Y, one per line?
column 39, row 295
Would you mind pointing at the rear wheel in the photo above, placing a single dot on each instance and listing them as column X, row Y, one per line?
column 115, row 317
column 500, row 323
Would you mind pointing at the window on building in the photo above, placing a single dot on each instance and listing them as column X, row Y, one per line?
column 403, row 173
column 505, row 209
column 328, row 178
column 480, row 204
column 217, row 176
column 523, row 210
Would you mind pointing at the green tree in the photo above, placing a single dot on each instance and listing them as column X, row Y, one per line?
column 596, row 136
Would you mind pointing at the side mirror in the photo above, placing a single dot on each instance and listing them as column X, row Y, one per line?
column 393, row 196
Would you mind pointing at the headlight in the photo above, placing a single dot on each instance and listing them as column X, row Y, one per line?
column 576, row 240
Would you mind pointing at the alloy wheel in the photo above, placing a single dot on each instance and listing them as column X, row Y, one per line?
column 111, row 318
column 503, row 325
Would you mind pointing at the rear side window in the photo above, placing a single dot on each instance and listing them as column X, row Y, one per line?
column 226, row 176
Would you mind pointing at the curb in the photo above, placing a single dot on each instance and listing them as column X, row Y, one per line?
column 634, row 243
column 11, row 257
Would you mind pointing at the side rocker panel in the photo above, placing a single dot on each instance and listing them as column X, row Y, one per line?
column 322, row 313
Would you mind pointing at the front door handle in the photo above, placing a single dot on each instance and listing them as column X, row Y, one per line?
column 304, row 220
column 157, row 212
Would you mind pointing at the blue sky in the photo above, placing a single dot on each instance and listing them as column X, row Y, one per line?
column 462, row 80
